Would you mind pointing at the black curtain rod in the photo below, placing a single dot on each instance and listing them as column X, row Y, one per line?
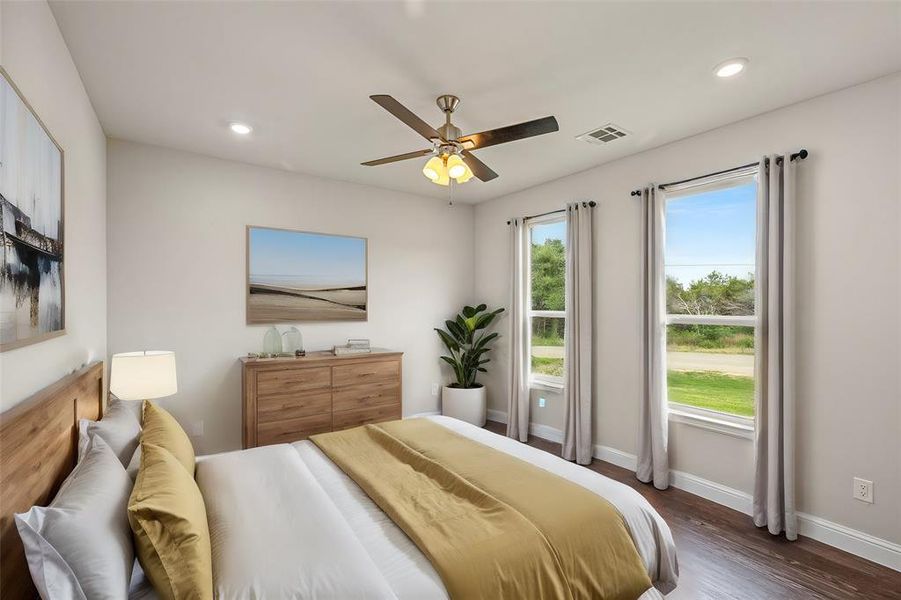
column 591, row 203
column 800, row 154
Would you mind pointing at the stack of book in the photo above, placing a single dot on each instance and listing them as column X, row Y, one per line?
column 353, row 346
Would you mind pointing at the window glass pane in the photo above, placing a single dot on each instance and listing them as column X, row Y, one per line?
column 547, row 346
column 548, row 256
column 711, row 367
column 710, row 252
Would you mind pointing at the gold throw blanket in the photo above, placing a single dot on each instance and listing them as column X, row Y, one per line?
column 493, row 526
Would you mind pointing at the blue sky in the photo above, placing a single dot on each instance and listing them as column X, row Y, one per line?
column 712, row 231
column 293, row 257
column 549, row 231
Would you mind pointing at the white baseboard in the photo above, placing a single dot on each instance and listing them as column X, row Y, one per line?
column 713, row 491
column 545, row 432
column 496, row 415
column 844, row 538
column 616, row 457
column 853, row 541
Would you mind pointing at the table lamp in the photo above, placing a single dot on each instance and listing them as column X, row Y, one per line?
column 143, row 375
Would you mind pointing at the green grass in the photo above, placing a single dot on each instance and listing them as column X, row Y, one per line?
column 714, row 391
column 719, row 339
column 551, row 340
column 547, row 366
column 724, row 350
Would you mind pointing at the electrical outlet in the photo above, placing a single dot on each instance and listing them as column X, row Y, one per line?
column 435, row 388
column 197, row 429
column 541, row 402
column 863, row 490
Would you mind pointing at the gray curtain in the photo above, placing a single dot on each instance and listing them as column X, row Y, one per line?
column 653, row 457
column 518, row 388
column 579, row 334
column 774, row 444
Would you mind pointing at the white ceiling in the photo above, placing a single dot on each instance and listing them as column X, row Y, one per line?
column 176, row 73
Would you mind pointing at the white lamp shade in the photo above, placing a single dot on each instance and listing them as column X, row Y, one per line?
column 143, row 375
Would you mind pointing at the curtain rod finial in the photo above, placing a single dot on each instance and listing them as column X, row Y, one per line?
column 635, row 193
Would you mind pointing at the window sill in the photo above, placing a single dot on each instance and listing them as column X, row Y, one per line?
column 740, row 427
column 544, row 384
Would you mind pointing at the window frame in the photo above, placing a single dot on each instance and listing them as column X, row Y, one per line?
column 540, row 381
column 722, row 422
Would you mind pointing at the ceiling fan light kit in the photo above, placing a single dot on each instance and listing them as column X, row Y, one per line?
column 450, row 152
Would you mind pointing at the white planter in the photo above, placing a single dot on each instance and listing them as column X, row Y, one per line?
column 468, row 405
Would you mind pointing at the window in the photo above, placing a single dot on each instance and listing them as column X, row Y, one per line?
column 547, row 272
column 711, row 323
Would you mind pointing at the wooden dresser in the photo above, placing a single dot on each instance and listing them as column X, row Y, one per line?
column 290, row 399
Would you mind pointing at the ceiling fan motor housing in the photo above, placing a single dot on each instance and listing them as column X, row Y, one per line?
column 449, row 132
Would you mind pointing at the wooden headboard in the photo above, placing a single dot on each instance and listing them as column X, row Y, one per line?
column 37, row 452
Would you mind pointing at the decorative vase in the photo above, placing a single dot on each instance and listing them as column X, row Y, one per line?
column 468, row 405
column 272, row 341
column 292, row 340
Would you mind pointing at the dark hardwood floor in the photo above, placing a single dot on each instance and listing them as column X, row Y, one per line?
column 723, row 556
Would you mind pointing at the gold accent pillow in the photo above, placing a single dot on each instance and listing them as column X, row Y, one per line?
column 161, row 429
column 168, row 519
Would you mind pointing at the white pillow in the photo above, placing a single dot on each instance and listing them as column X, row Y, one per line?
column 135, row 407
column 80, row 546
column 134, row 465
column 119, row 428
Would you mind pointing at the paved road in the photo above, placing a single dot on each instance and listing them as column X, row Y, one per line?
column 547, row 351
column 733, row 364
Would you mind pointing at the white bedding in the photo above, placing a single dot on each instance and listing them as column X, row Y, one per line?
column 285, row 522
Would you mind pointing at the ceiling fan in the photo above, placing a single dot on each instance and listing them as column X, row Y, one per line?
column 451, row 150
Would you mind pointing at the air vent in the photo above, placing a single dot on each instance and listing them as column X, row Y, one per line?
column 603, row 134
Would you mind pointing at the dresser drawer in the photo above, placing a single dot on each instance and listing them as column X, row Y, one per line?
column 364, row 396
column 345, row 419
column 291, row 430
column 278, row 408
column 289, row 382
column 366, row 372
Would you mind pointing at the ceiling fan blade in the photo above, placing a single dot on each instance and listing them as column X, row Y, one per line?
column 511, row 133
column 478, row 168
column 404, row 114
column 399, row 157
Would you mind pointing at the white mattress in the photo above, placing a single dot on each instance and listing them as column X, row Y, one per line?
column 285, row 522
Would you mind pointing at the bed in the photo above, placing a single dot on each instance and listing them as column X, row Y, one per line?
column 350, row 547
column 286, row 521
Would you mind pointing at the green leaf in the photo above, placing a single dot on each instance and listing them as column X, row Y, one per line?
column 484, row 321
column 482, row 341
column 469, row 311
column 448, row 340
column 481, row 307
column 458, row 332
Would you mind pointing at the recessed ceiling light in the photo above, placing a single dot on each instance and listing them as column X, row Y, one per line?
column 240, row 128
column 731, row 67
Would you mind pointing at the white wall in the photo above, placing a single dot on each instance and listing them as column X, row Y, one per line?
column 34, row 54
column 848, row 296
column 177, row 271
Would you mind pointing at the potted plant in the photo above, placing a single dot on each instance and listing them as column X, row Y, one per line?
column 465, row 398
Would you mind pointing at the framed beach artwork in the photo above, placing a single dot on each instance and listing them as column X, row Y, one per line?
column 305, row 276
column 32, row 298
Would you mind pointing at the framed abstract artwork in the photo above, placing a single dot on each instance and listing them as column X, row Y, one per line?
column 304, row 276
column 32, row 295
